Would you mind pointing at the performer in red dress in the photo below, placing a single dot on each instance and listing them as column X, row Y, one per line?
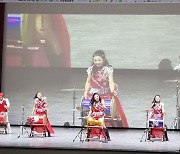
column 96, row 114
column 157, row 109
column 40, row 108
column 100, row 80
column 4, row 105
column 157, row 112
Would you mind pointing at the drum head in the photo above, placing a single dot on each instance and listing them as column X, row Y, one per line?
column 36, row 118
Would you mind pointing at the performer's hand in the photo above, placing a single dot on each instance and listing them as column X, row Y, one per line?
column 114, row 93
column 84, row 96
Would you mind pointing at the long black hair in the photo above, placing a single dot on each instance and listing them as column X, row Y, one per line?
column 36, row 95
column 154, row 101
column 93, row 100
column 101, row 54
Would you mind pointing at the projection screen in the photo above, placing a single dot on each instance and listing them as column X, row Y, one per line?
column 49, row 50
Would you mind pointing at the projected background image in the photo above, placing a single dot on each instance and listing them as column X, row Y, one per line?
column 51, row 52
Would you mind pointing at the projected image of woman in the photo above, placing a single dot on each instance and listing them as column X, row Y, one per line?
column 100, row 80
column 40, row 108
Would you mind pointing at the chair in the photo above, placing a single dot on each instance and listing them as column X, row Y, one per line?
column 95, row 130
column 96, row 133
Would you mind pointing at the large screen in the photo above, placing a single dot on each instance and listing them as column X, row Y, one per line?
column 51, row 53
column 62, row 40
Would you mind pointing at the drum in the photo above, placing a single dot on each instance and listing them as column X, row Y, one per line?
column 156, row 123
column 3, row 117
column 37, row 119
column 157, row 132
column 86, row 104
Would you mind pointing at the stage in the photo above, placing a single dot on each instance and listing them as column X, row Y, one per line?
column 122, row 140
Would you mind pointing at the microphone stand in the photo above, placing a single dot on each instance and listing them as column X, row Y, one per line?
column 175, row 123
column 81, row 133
column 74, row 104
column 23, row 129
column 146, row 131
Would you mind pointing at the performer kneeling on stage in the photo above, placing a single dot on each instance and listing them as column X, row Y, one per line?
column 97, row 113
column 4, row 105
column 157, row 112
column 40, row 108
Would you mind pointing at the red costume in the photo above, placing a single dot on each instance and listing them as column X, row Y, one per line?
column 100, row 82
column 96, row 118
column 2, row 104
column 157, row 111
column 97, row 110
column 40, row 109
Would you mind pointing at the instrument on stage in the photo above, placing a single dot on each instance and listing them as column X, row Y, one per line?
column 156, row 123
column 3, row 117
column 37, row 119
column 86, row 104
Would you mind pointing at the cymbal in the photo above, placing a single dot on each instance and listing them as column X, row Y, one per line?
column 171, row 80
column 82, row 117
column 23, row 106
column 72, row 89
column 146, row 110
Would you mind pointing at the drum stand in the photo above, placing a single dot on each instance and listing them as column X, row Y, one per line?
column 74, row 104
column 175, row 123
column 81, row 133
column 23, row 129
column 146, row 131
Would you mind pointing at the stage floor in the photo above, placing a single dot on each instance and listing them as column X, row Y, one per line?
column 121, row 140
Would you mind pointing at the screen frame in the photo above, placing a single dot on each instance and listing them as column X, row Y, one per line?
column 96, row 8
column 2, row 14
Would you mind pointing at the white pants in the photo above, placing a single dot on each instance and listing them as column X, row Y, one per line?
column 8, row 124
